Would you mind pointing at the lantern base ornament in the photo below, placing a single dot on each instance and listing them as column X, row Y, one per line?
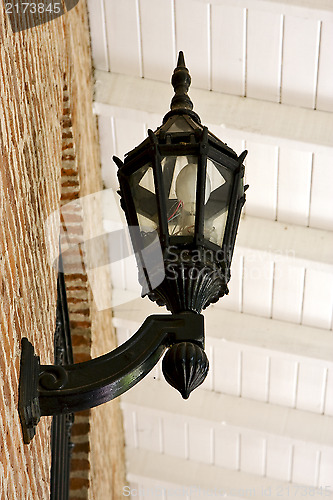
column 59, row 389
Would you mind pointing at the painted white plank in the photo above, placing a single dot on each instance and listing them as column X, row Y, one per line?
column 234, row 299
column 107, row 150
column 329, row 393
column 257, row 285
column 193, row 38
column 157, row 39
column 129, row 430
column 128, row 135
column 318, row 299
column 227, row 368
column 261, row 175
column 325, row 71
column 288, row 292
column 228, row 49
column 326, row 469
column 311, row 387
column 321, row 207
column 294, row 186
column 252, row 454
column 149, row 431
column 305, row 461
column 300, row 61
column 226, row 447
column 199, row 442
column 282, row 381
column 264, row 55
column 255, row 372
column 98, row 34
column 123, row 37
column 138, row 98
column 278, row 459
column 174, row 436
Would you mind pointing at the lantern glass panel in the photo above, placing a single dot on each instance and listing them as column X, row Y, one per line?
column 217, row 205
column 180, row 184
column 144, row 196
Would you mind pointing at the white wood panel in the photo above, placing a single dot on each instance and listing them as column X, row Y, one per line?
column 305, row 465
column 288, row 292
column 311, row 387
column 174, row 436
column 199, row 442
column 128, row 135
column 227, row 368
column 128, row 422
column 264, row 50
column 228, row 44
column 123, row 37
column 300, row 61
column 261, row 175
column 278, row 459
column 193, row 38
column 234, row 299
column 325, row 73
column 98, row 34
column 107, row 150
column 282, row 381
column 329, row 393
column 294, row 186
column 149, row 431
column 326, row 469
column 257, row 285
column 321, row 207
column 318, row 299
column 252, row 454
column 226, row 447
column 157, row 39
column 255, row 373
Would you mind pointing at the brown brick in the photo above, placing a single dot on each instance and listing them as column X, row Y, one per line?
column 79, row 482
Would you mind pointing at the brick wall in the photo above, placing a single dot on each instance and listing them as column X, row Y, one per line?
column 34, row 66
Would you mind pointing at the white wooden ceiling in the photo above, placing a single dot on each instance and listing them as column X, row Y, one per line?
column 262, row 79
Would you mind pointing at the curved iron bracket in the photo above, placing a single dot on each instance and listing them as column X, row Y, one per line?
column 57, row 389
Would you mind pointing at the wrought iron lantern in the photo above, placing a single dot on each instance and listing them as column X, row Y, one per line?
column 182, row 192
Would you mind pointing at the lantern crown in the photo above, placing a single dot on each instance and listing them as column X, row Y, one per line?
column 181, row 81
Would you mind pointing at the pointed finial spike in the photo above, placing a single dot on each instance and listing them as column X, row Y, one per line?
column 181, row 60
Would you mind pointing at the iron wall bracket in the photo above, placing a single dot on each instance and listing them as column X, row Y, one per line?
column 59, row 389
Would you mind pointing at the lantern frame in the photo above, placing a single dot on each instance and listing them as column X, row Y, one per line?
column 200, row 143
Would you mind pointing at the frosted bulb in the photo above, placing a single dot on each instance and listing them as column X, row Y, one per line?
column 186, row 187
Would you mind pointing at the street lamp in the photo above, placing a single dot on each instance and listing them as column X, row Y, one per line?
column 182, row 192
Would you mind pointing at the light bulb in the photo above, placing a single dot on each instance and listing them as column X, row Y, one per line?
column 186, row 187
column 186, row 192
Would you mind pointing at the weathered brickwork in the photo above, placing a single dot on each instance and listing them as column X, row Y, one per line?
column 44, row 157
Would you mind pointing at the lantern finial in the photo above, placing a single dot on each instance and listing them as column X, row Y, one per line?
column 181, row 81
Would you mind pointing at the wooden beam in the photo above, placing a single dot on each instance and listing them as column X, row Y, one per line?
column 213, row 408
column 191, row 479
column 248, row 330
column 145, row 101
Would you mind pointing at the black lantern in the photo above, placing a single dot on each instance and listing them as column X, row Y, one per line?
column 185, row 186
column 182, row 192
